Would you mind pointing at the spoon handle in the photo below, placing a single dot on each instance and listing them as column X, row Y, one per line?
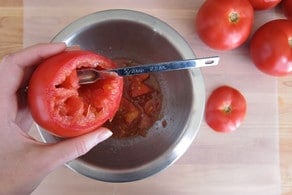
column 167, row 66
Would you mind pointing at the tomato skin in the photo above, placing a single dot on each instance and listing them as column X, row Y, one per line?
column 264, row 4
column 287, row 8
column 225, row 109
column 225, row 24
column 271, row 48
column 61, row 106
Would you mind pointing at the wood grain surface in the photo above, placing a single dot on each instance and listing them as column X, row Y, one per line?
column 11, row 39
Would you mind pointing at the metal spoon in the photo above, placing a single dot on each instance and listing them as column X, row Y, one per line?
column 91, row 75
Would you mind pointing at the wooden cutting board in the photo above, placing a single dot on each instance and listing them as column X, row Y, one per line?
column 243, row 162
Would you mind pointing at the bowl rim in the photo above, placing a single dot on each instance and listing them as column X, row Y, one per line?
column 193, row 124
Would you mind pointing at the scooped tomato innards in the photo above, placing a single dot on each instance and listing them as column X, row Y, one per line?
column 140, row 106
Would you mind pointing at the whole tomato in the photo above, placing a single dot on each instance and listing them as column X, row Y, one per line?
column 224, row 24
column 225, row 109
column 264, row 4
column 271, row 47
column 287, row 8
column 63, row 107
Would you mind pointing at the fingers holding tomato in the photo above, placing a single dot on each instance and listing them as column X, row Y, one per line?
column 225, row 24
column 271, row 48
column 60, row 105
column 225, row 109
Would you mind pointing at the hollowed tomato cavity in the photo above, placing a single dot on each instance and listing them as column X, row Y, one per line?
column 81, row 104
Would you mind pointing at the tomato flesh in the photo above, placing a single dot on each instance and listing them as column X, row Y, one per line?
column 138, row 87
column 140, row 106
column 225, row 109
column 60, row 105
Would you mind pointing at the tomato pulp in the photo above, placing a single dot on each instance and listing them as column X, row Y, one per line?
column 271, row 47
column 140, row 106
column 60, row 105
column 225, row 24
column 225, row 109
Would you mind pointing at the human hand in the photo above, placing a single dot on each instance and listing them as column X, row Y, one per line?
column 24, row 162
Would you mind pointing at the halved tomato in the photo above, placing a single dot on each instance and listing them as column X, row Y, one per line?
column 60, row 105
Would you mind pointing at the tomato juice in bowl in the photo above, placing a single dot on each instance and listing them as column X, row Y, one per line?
column 126, row 34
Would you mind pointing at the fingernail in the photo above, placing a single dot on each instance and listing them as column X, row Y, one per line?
column 73, row 48
column 59, row 43
column 104, row 134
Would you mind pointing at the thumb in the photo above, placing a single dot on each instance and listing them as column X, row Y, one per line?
column 67, row 150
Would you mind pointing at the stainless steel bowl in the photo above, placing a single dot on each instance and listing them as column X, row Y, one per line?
column 146, row 39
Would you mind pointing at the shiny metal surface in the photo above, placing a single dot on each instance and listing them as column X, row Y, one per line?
column 138, row 36
column 91, row 75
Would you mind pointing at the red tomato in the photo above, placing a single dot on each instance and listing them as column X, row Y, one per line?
column 287, row 8
column 271, row 47
column 264, row 4
column 63, row 107
column 225, row 24
column 225, row 109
